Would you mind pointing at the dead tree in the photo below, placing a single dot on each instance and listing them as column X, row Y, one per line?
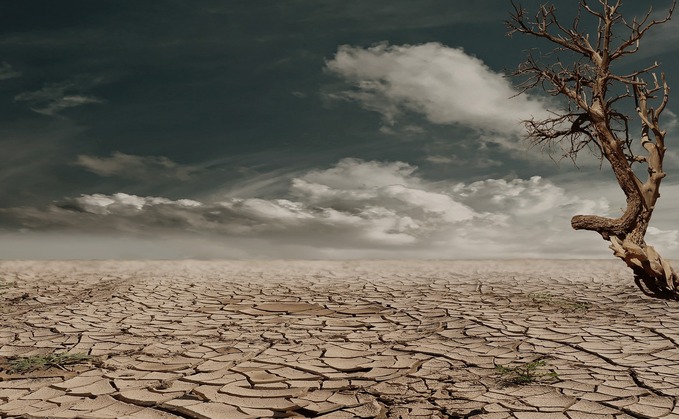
column 600, row 102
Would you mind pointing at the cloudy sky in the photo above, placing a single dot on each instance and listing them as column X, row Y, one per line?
column 290, row 129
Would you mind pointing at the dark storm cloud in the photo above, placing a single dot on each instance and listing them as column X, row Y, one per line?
column 236, row 77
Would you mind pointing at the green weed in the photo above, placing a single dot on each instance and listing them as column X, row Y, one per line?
column 526, row 373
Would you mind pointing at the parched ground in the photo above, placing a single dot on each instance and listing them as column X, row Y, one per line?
column 365, row 339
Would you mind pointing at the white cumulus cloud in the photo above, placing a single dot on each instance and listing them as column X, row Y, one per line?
column 445, row 84
column 354, row 209
column 663, row 239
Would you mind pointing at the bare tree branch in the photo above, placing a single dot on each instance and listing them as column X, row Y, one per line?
column 590, row 120
column 638, row 30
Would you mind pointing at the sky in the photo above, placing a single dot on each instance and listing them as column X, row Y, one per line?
column 311, row 129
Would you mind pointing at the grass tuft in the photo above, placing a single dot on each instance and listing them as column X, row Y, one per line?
column 24, row 365
column 526, row 373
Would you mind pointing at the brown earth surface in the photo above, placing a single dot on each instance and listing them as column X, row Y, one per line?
column 344, row 339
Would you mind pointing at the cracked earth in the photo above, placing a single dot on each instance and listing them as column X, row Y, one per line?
column 359, row 339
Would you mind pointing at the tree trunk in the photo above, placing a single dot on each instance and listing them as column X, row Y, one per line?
column 653, row 274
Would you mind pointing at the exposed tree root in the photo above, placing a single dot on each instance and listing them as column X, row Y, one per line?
column 653, row 275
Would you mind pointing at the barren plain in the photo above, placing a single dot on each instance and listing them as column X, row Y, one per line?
column 335, row 339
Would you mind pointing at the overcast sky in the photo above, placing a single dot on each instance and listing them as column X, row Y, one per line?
column 291, row 129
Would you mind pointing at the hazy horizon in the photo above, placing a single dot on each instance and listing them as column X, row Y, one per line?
column 339, row 129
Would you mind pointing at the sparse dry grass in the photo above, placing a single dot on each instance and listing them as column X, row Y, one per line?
column 526, row 373
column 565, row 304
column 23, row 365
